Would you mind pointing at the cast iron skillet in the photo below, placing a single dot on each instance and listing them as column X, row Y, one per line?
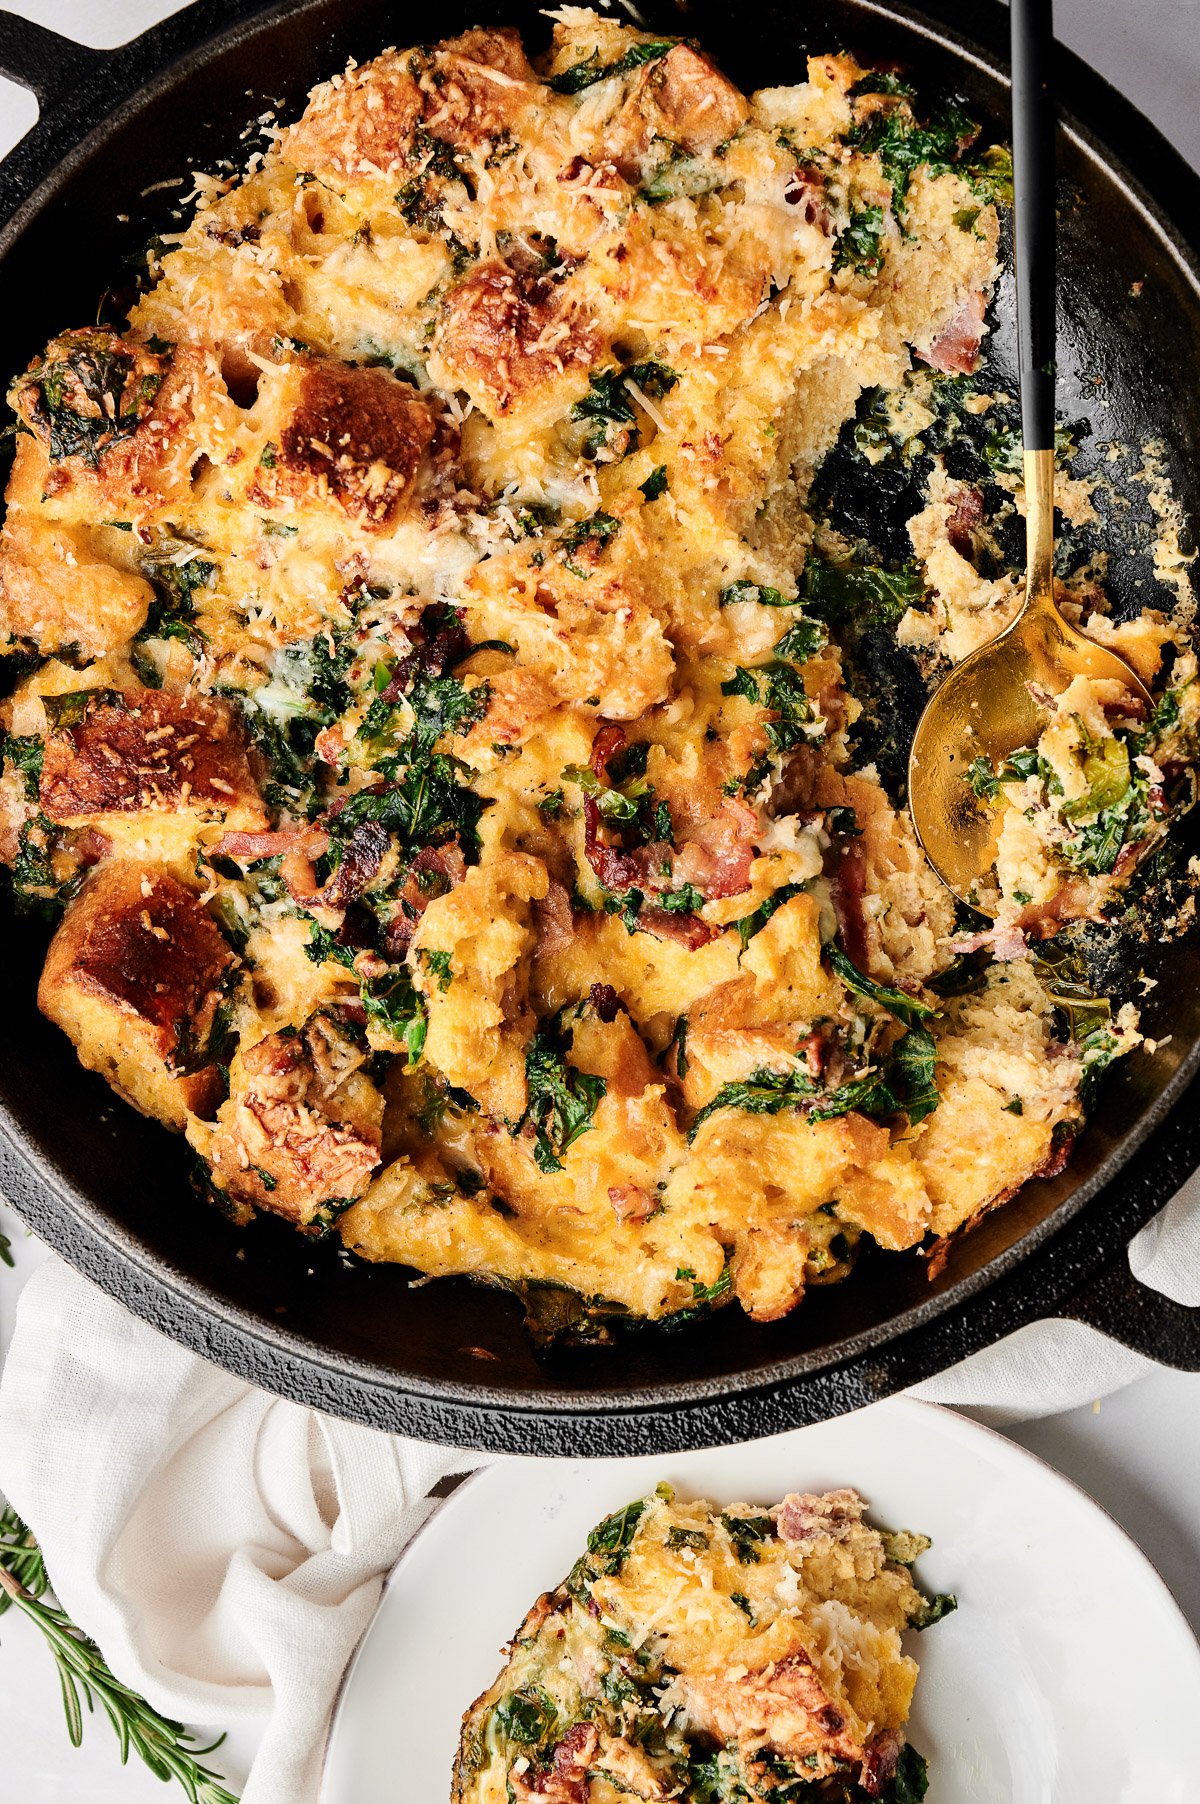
column 108, row 1190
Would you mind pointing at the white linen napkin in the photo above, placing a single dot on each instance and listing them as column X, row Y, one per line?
column 227, row 1549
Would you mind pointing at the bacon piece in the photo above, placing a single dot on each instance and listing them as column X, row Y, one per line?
column 605, row 746
column 880, row 1760
column 615, row 868
column 1058, row 1158
column 567, row 1781
column 805, row 189
column 716, row 860
column 804, row 1515
column 312, row 841
column 604, row 1000
column 965, row 516
column 686, row 930
column 630, row 1202
column 446, row 866
column 848, row 888
column 955, row 350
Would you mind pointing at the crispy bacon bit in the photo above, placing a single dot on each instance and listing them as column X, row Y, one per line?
column 686, row 930
column 804, row 1515
column 630, row 1202
column 567, row 1780
column 805, row 188
column 432, row 655
column 716, row 860
column 965, row 517
column 312, row 841
column 433, row 871
column 616, row 869
column 1059, row 1156
column 605, row 746
column 1130, row 855
column 955, row 350
column 879, row 1761
column 848, row 889
column 604, row 1000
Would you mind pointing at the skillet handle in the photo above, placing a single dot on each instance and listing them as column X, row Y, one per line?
column 1113, row 1301
column 44, row 61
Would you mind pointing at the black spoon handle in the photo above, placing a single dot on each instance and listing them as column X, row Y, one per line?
column 1033, row 215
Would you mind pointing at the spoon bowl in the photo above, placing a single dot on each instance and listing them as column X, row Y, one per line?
column 989, row 706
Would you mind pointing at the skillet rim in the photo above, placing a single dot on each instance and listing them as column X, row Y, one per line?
column 818, row 1382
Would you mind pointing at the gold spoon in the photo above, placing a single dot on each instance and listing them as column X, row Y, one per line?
column 1000, row 697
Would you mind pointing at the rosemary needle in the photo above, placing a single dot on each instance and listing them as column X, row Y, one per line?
column 85, row 1677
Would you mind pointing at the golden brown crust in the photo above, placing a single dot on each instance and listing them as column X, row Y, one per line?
column 504, row 334
column 147, row 752
column 355, row 440
column 135, row 975
column 301, row 1128
column 358, row 125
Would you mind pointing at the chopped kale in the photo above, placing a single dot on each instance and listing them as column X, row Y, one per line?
column 655, row 484
column 933, row 1609
column 747, row 1534
column 562, row 1099
column 686, row 1537
column 441, row 965
column 860, row 592
column 982, row 779
column 590, row 69
column 860, row 242
column 609, row 404
column 905, row 1007
column 25, row 755
column 780, row 689
column 613, row 1537
column 744, row 590
column 754, row 923
column 903, row 145
column 391, row 1002
column 87, row 400
column 590, row 536
column 527, row 1717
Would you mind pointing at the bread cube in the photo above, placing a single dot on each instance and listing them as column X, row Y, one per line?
column 302, row 1129
column 136, row 977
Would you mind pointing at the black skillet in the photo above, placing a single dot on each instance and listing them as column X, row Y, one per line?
column 108, row 1190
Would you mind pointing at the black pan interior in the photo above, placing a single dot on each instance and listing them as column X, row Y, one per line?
column 1125, row 364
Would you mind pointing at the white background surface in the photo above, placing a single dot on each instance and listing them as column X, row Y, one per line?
column 1138, row 1455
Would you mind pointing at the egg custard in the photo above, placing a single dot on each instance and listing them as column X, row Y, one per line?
column 433, row 728
column 711, row 1655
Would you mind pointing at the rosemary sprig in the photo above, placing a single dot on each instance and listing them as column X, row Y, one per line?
column 85, row 1677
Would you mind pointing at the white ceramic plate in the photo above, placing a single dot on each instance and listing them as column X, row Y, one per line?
column 1066, row 1676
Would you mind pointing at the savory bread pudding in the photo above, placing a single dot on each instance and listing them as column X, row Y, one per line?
column 436, row 725
column 711, row 1655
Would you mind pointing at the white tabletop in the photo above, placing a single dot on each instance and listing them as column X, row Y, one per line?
column 1138, row 1453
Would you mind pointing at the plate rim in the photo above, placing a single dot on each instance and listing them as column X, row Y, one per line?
column 494, row 1469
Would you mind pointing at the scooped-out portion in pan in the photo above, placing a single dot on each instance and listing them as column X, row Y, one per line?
column 464, row 716
column 711, row 1655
